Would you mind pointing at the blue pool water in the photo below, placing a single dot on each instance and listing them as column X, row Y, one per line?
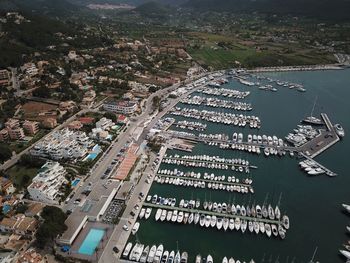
column 6, row 209
column 75, row 182
column 92, row 156
column 91, row 241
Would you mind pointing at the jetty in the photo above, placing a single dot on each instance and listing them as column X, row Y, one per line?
column 322, row 142
column 212, row 213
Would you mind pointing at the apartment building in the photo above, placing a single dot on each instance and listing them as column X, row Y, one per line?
column 31, row 127
column 63, row 144
column 46, row 185
column 124, row 107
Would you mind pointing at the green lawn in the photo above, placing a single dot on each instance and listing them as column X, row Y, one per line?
column 21, row 176
column 220, row 58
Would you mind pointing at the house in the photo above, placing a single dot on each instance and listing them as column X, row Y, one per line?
column 49, row 123
column 4, row 135
column 6, row 186
column 87, row 120
column 34, row 209
column 16, row 134
column 104, row 124
column 120, row 106
column 7, row 224
column 122, row 119
column 72, row 55
column 75, row 125
column 31, row 127
column 46, row 186
column 69, row 106
column 12, row 124
column 30, row 69
column 30, row 256
column 4, row 78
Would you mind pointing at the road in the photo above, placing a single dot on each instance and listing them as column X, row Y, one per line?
column 109, row 155
column 119, row 236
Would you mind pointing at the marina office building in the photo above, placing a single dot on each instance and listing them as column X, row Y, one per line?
column 89, row 214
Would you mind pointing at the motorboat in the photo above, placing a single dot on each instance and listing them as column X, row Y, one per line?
column 209, row 259
column 127, row 250
column 136, row 252
column 151, row 254
column 184, row 257
column 158, row 214
column 142, row 213
column 165, row 256
column 285, row 222
column 144, row 255
column 135, row 228
column 339, row 130
column 158, row 254
column 171, row 257
column 345, row 253
column 347, row 207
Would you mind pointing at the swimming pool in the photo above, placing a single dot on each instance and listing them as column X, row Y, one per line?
column 92, row 156
column 75, row 182
column 91, row 241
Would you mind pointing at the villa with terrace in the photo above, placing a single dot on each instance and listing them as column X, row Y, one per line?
column 46, row 186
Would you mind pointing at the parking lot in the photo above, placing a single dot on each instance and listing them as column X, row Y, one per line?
column 113, row 211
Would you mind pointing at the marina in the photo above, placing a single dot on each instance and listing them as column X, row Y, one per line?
column 227, row 148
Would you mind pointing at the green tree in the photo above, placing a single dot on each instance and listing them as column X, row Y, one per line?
column 52, row 226
column 5, row 153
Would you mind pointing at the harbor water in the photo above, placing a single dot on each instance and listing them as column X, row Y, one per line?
column 313, row 204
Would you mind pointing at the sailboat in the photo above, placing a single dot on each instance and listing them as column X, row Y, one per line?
column 311, row 119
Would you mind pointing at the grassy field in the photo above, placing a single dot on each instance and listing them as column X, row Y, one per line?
column 220, row 52
column 21, row 176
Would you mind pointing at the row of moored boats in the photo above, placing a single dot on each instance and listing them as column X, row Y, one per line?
column 218, row 117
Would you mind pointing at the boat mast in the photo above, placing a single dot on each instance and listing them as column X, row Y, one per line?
column 313, row 256
column 313, row 108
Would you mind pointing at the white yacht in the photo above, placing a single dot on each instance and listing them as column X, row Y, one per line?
column 345, row 253
column 347, row 207
column 209, row 259
column 135, row 228
column 339, row 130
column 144, row 255
column 151, row 254
column 127, row 250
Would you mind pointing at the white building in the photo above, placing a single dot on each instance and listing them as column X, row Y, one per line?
column 104, row 124
column 45, row 187
column 125, row 107
column 63, row 144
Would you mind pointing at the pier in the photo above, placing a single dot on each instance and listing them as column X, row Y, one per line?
column 211, row 213
column 322, row 142
column 255, row 144
column 188, row 162
column 225, row 186
column 327, row 171
column 204, row 180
